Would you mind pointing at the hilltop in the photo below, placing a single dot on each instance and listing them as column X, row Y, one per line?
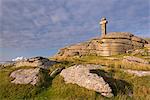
column 115, row 66
column 121, row 76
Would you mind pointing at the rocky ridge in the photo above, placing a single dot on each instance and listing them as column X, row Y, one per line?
column 111, row 44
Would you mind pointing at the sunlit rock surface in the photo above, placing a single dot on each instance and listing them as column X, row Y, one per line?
column 80, row 75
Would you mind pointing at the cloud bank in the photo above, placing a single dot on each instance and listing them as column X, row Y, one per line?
column 42, row 24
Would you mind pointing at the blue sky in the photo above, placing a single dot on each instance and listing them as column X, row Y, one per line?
column 40, row 27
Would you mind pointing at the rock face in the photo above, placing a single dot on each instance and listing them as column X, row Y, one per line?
column 111, row 44
column 80, row 75
column 136, row 60
column 25, row 76
column 119, row 42
column 39, row 62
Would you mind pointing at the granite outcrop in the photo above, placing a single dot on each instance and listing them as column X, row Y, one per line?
column 113, row 43
column 80, row 75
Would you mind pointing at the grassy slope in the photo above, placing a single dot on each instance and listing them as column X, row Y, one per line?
column 10, row 91
column 123, row 84
column 112, row 62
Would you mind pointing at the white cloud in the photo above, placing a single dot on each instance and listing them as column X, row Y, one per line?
column 53, row 24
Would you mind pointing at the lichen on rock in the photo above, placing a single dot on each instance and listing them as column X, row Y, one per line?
column 80, row 75
column 25, row 76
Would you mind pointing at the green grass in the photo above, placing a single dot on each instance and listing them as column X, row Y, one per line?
column 125, row 86
column 60, row 90
column 9, row 91
column 107, row 61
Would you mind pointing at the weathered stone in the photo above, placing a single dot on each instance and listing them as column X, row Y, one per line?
column 110, row 52
column 40, row 62
column 121, row 41
column 137, row 44
column 113, row 43
column 78, row 47
column 25, row 76
column 121, row 48
column 132, row 59
column 118, row 35
column 137, row 39
column 116, row 47
column 103, row 26
column 80, row 75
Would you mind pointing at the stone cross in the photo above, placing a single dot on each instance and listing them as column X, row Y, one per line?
column 103, row 23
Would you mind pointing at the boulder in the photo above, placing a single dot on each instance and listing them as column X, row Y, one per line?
column 40, row 62
column 80, row 75
column 25, row 76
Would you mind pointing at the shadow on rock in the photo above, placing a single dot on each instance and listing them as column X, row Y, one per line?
column 118, row 86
